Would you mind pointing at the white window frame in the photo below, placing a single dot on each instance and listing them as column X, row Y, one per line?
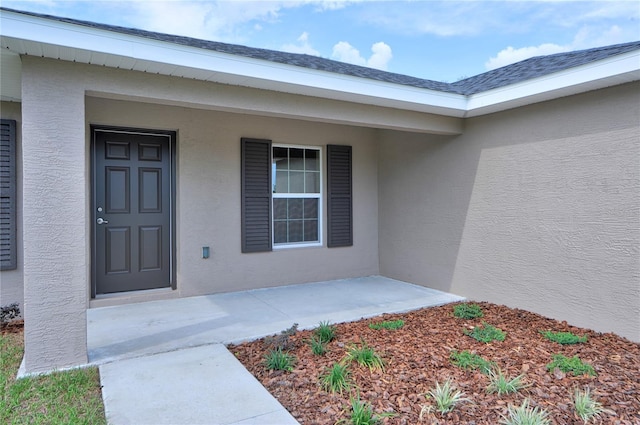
column 319, row 196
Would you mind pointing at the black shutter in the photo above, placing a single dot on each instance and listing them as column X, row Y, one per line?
column 339, row 196
column 8, row 253
column 256, row 195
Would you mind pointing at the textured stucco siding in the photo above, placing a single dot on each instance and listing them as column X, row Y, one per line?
column 208, row 196
column 55, row 219
column 536, row 208
column 12, row 281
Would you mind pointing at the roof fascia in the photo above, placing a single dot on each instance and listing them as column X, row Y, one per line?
column 222, row 67
column 615, row 70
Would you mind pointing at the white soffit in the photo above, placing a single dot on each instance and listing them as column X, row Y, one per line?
column 30, row 35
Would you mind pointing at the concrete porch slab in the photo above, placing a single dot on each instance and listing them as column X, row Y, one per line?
column 164, row 362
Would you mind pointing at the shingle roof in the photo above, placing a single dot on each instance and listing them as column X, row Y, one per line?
column 510, row 74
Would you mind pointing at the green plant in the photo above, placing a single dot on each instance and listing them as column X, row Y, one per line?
column 586, row 407
column 574, row 365
column 445, row 397
column 467, row 311
column 279, row 360
column 501, row 384
column 362, row 414
column 564, row 338
column 467, row 360
column 336, row 378
column 389, row 325
column 325, row 332
column 524, row 415
column 318, row 347
column 486, row 333
column 365, row 356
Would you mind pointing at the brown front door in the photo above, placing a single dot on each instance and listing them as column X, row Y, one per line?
column 132, row 210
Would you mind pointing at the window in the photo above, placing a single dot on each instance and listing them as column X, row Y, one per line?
column 297, row 196
column 282, row 199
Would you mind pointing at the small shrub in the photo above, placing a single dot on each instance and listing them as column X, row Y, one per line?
column 524, row 415
column 388, row 325
column 445, row 397
column 468, row 360
column 279, row 360
column 564, row 338
column 365, row 356
column 486, row 333
column 282, row 341
column 325, row 332
column 336, row 378
column 318, row 347
column 586, row 407
column 574, row 365
column 8, row 313
column 501, row 384
column 467, row 311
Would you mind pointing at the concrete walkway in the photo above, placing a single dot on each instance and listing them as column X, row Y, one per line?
column 165, row 362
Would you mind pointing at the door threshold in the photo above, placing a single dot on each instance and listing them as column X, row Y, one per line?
column 130, row 297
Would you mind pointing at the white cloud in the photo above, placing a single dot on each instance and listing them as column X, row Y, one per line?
column 379, row 59
column 511, row 55
column 303, row 46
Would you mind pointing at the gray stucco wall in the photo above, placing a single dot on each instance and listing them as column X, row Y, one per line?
column 536, row 208
column 208, row 196
column 12, row 281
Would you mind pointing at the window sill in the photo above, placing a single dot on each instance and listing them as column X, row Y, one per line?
column 297, row 245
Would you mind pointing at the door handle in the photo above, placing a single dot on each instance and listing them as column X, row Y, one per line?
column 101, row 221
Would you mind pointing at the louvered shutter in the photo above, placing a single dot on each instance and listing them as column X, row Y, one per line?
column 8, row 254
column 339, row 196
column 256, row 195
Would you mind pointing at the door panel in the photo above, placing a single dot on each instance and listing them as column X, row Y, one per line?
column 132, row 211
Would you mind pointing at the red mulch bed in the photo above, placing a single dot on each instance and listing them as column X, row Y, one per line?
column 417, row 355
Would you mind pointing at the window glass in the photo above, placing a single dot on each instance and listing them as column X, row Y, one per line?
column 296, row 195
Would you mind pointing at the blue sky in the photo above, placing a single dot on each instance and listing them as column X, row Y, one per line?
column 442, row 41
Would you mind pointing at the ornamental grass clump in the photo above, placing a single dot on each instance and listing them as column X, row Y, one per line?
column 365, row 356
column 325, row 332
column 336, row 378
column 525, row 415
column 279, row 360
column 586, row 407
column 501, row 384
column 445, row 397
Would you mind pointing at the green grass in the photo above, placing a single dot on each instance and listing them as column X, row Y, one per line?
column 486, row 333
column 525, row 415
column 325, row 332
column 336, row 379
column 365, row 356
column 564, row 338
column 501, row 384
column 467, row 360
column 391, row 325
column 279, row 360
column 572, row 365
column 362, row 414
column 467, row 311
column 70, row 397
